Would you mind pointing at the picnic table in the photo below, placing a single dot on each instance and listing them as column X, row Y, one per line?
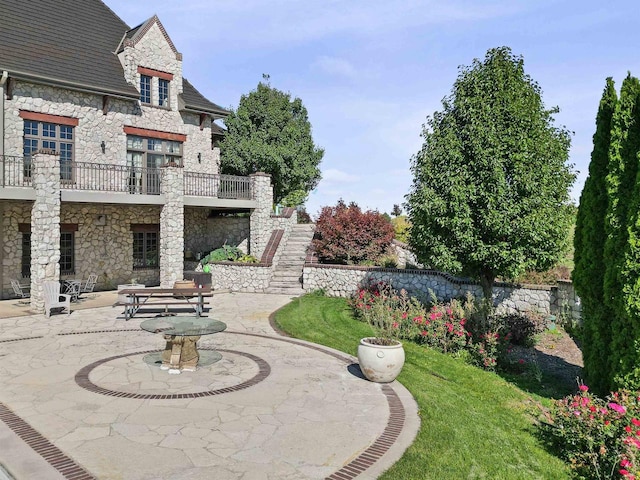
column 167, row 297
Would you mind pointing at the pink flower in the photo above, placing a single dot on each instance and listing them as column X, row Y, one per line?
column 625, row 462
column 404, row 315
column 424, row 333
column 396, row 324
column 618, row 408
column 521, row 361
column 584, row 388
column 636, row 422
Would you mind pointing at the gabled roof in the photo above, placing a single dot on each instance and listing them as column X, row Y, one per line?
column 73, row 44
column 134, row 35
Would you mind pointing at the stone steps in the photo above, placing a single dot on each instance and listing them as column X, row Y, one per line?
column 287, row 277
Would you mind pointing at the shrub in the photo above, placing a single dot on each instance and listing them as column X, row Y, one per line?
column 347, row 235
column 389, row 313
column 599, row 438
column 521, row 327
column 388, row 260
column 401, row 228
column 303, row 216
column 226, row 253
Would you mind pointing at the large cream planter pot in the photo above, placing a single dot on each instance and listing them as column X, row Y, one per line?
column 380, row 363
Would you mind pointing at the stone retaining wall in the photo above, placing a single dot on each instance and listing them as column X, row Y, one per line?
column 250, row 278
column 343, row 281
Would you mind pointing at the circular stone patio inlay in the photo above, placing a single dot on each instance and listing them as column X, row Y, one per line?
column 128, row 376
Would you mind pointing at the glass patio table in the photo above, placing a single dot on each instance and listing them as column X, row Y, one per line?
column 182, row 334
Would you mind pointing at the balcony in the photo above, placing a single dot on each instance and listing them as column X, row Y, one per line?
column 121, row 179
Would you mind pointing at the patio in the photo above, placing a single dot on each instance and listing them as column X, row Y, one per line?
column 272, row 408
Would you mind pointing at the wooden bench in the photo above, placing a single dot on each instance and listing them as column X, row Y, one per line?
column 162, row 297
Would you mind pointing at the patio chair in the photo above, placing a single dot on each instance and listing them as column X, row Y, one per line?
column 90, row 284
column 54, row 299
column 20, row 291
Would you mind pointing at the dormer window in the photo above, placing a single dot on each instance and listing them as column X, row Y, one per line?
column 155, row 87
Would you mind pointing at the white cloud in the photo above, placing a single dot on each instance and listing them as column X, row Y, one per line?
column 334, row 66
column 333, row 175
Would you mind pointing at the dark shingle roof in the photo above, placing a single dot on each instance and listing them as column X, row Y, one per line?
column 194, row 100
column 72, row 43
column 68, row 41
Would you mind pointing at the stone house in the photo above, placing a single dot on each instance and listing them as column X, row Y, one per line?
column 107, row 163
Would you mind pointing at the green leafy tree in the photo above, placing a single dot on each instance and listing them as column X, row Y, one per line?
column 397, row 210
column 620, row 252
column 271, row 133
column 491, row 183
column 589, row 241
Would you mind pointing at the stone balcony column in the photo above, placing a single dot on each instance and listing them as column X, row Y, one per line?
column 172, row 226
column 45, row 225
column 260, row 221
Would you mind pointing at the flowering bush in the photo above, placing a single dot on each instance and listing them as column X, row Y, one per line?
column 387, row 311
column 600, row 438
column 443, row 328
column 489, row 349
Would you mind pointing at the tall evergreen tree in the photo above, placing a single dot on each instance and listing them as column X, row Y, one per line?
column 589, row 240
column 621, row 180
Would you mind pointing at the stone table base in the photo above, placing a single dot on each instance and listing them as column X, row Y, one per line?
column 180, row 353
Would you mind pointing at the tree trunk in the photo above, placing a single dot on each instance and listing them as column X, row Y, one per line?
column 486, row 282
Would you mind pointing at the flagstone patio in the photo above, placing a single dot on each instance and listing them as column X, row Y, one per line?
column 78, row 401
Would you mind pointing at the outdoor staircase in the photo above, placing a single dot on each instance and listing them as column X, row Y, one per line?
column 287, row 276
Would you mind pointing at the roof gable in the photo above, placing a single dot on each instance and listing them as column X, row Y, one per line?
column 133, row 36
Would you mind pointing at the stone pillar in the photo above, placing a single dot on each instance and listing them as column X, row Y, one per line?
column 45, row 225
column 260, row 221
column 172, row 226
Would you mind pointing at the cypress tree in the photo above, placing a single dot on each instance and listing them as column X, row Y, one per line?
column 621, row 180
column 589, row 240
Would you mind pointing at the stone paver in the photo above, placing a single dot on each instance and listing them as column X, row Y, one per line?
column 307, row 418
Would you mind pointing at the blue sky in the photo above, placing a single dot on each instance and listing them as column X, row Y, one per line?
column 370, row 71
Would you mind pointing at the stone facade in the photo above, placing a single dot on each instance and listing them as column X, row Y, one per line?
column 103, row 231
column 105, row 249
column 45, row 230
column 343, row 281
column 203, row 234
column 172, row 227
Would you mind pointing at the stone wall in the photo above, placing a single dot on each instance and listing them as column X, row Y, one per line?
column 104, row 249
column 343, row 281
column 240, row 278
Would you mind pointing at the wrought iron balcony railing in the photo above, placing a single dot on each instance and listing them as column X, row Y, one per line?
column 219, row 186
column 99, row 177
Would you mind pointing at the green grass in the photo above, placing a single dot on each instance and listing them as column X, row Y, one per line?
column 474, row 424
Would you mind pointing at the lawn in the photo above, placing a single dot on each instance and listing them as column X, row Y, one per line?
column 474, row 424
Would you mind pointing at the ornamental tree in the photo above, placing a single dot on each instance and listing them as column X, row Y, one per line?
column 491, row 183
column 271, row 133
column 347, row 235
column 589, row 241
